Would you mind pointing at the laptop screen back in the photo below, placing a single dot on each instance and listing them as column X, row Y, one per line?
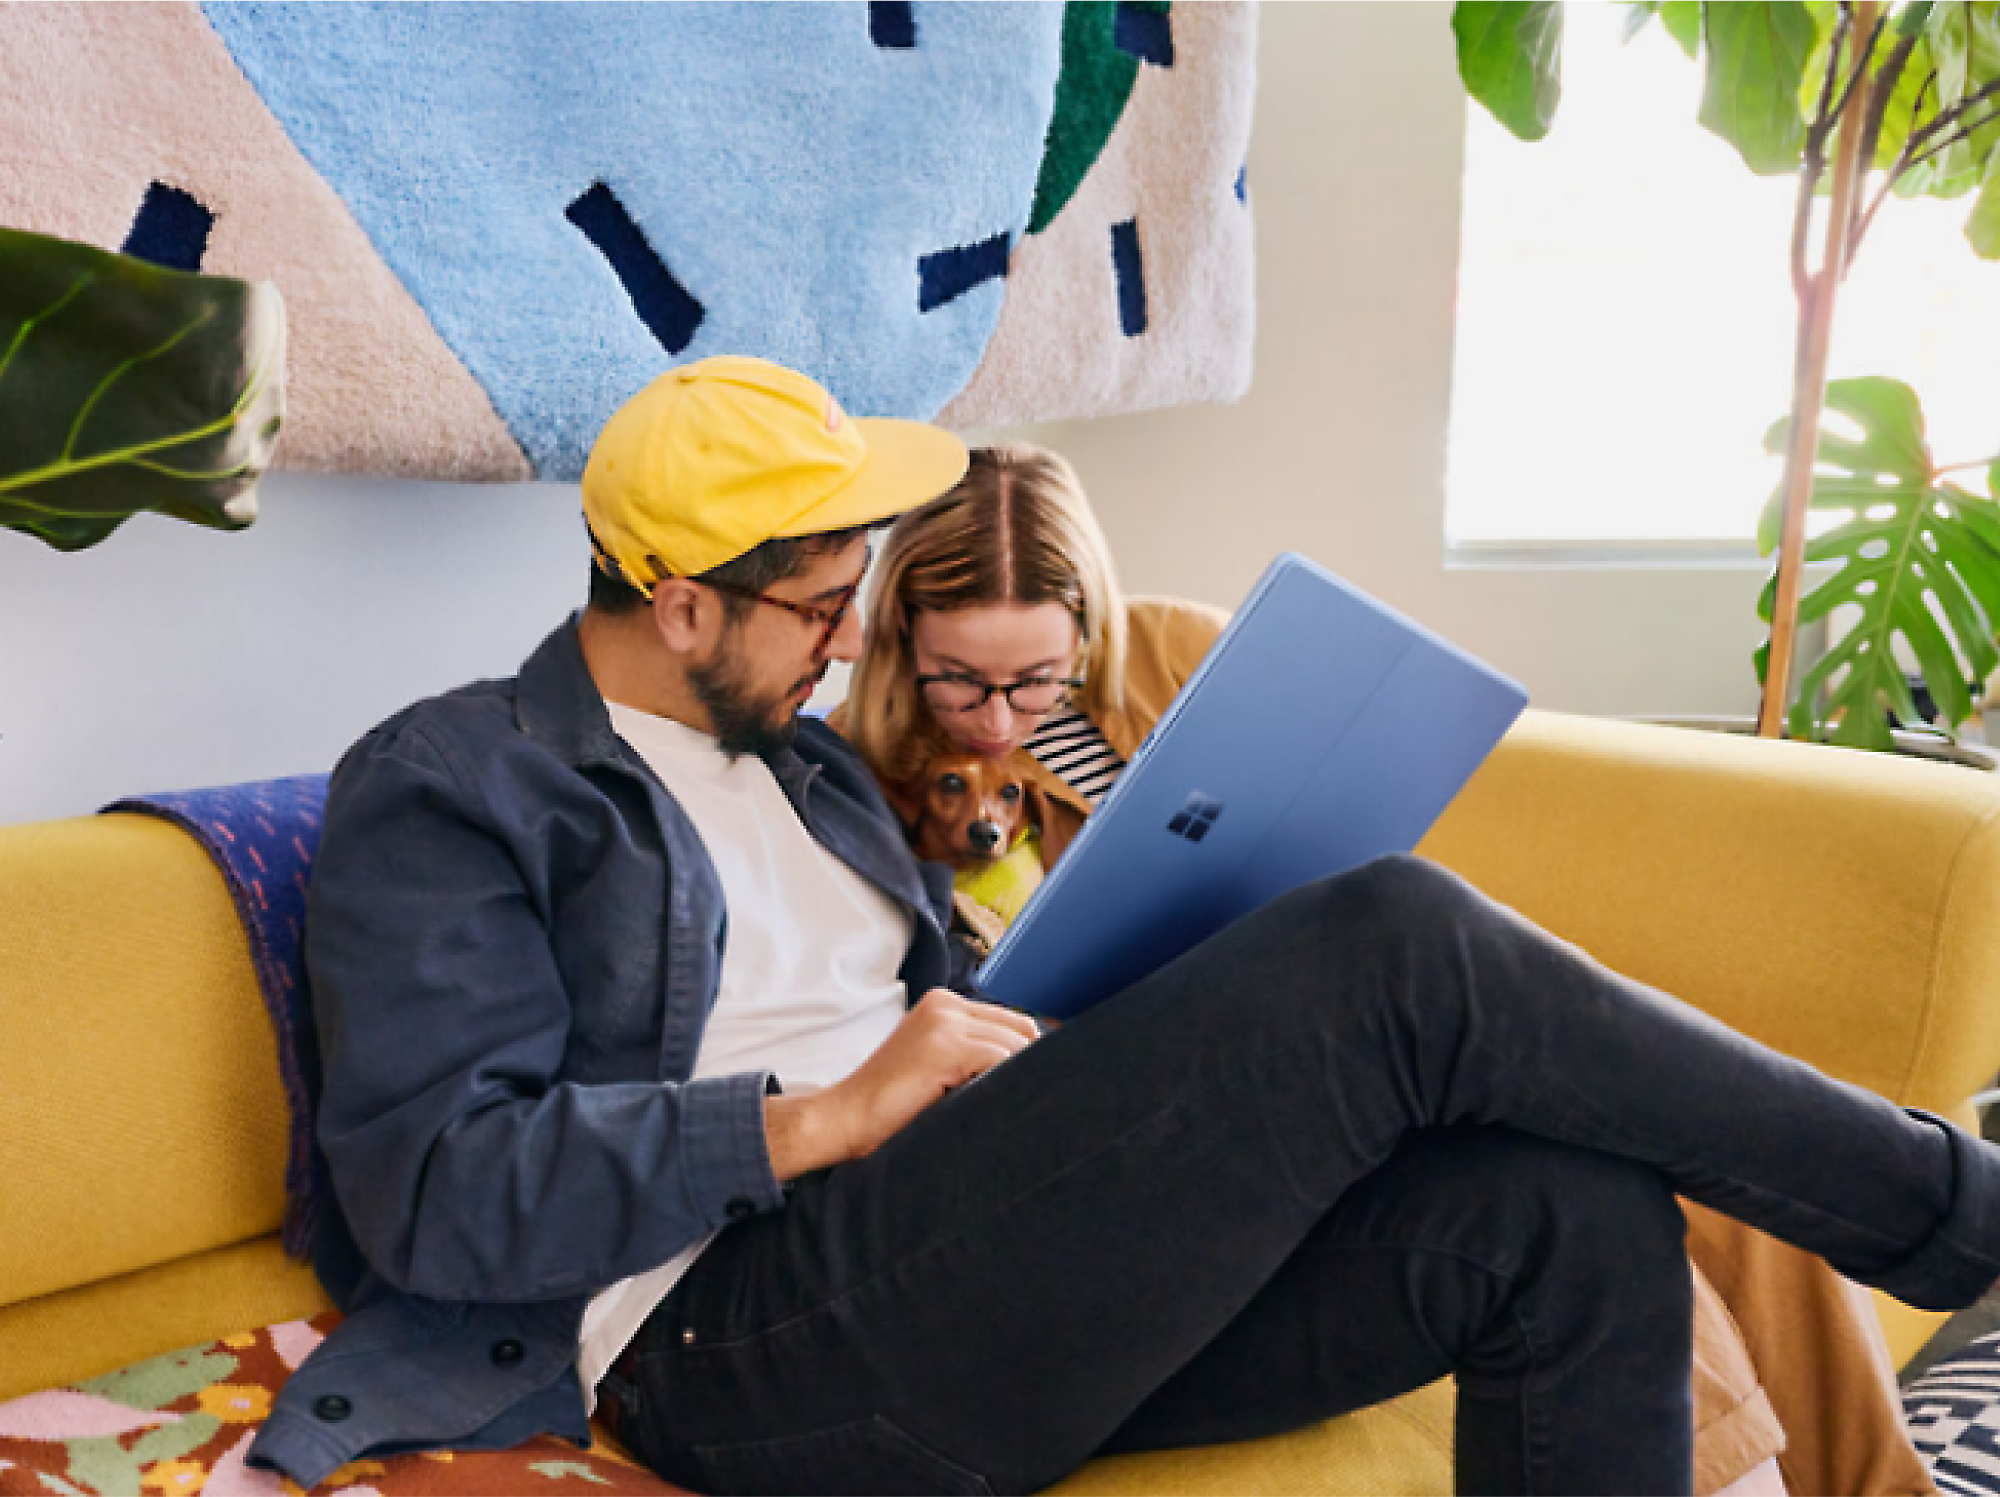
column 1322, row 730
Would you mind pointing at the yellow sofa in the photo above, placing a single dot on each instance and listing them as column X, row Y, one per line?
column 1841, row 906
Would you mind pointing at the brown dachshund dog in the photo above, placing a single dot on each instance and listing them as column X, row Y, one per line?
column 962, row 809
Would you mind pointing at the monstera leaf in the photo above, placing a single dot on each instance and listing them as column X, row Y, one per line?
column 125, row 387
column 1917, row 556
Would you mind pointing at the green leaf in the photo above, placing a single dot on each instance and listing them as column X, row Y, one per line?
column 1964, row 50
column 1976, row 626
column 1681, row 18
column 1917, row 559
column 1892, row 427
column 130, row 388
column 1510, row 58
column 1910, row 91
column 1982, row 228
column 1771, row 523
column 1757, row 51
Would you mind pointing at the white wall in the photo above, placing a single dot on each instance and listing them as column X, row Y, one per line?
column 172, row 656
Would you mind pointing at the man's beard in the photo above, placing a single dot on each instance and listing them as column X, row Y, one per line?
column 741, row 718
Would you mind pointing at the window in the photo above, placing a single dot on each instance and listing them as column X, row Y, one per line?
column 1625, row 319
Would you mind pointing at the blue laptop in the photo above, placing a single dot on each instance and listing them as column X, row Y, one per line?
column 1323, row 730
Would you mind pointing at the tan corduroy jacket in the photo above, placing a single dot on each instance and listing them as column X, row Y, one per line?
column 1787, row 1348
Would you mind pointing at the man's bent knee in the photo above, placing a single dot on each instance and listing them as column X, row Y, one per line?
column 1396, row 895
column 1540, row 1209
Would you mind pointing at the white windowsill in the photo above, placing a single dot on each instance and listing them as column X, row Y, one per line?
column 1624, row 555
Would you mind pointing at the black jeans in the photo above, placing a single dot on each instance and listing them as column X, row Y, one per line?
column 1382, row 1130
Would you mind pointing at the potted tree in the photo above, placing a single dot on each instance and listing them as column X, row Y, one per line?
column 1861, row 102
column 128, row 387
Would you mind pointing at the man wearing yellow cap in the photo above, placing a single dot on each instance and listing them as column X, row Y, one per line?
column 645, row 1088
column 566, row 931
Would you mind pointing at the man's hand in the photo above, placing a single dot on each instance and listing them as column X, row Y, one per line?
column 941, row 1043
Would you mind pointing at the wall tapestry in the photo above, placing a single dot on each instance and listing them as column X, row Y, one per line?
column 491, row 223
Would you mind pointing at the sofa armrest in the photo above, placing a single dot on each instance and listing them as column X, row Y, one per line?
column 1841, row 906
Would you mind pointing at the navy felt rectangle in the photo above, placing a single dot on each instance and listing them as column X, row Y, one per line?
column 892, row 23
column 1145, row 32
column 1131, row 270
column 171, row 229
column 951, row 273
column 670, row 313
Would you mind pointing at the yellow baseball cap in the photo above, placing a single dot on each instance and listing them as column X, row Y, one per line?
column 714, row 458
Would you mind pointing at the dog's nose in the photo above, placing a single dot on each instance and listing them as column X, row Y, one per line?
column 983, row 835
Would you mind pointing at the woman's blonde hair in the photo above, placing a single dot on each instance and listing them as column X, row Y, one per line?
column 1016, row 529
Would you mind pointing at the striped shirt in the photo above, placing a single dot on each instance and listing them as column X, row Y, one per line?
column 1070, row 746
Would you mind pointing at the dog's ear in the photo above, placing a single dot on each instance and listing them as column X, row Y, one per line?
column 1035, row 806
column 906, row 799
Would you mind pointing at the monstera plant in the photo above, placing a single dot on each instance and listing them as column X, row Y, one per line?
column 1916, row 555
column 125, row 387
column 1898, row 101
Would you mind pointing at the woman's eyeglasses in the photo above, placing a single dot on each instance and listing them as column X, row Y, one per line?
column 1032, row 696
column 826, row 615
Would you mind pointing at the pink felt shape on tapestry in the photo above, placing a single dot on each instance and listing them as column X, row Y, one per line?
column 60, row 1414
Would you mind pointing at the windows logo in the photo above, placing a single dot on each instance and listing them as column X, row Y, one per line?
column 1194, row 819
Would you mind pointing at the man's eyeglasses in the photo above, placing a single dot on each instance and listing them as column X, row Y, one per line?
column 827, row 615
column 1032, row 696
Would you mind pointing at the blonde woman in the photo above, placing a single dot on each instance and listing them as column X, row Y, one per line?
column 996, row 621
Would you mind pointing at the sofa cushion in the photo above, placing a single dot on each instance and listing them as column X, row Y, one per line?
column 180, row 1423
column 93, row 1328
column 1835, row 905
column 144, row 1117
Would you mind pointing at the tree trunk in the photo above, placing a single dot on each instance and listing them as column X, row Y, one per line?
column 1815, row 341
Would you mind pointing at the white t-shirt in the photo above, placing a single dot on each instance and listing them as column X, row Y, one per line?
column 809, row 983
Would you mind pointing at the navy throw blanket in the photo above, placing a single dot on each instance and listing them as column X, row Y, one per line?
column 262, row 837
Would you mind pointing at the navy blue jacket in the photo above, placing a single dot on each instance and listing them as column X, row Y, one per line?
column 514, row 937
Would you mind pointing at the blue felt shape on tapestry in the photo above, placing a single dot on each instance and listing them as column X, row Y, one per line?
column 171, row 229
column 1243, row 183
column 788, row 169
column 1144, row 31
column 262, row 837
column 949, row 274
column 891, row 24
column 662, row 302
column 1131, row 272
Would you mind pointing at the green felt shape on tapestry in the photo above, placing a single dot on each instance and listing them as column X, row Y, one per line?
column 1916, row 557
column 125, row 387
column 1092, row 86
